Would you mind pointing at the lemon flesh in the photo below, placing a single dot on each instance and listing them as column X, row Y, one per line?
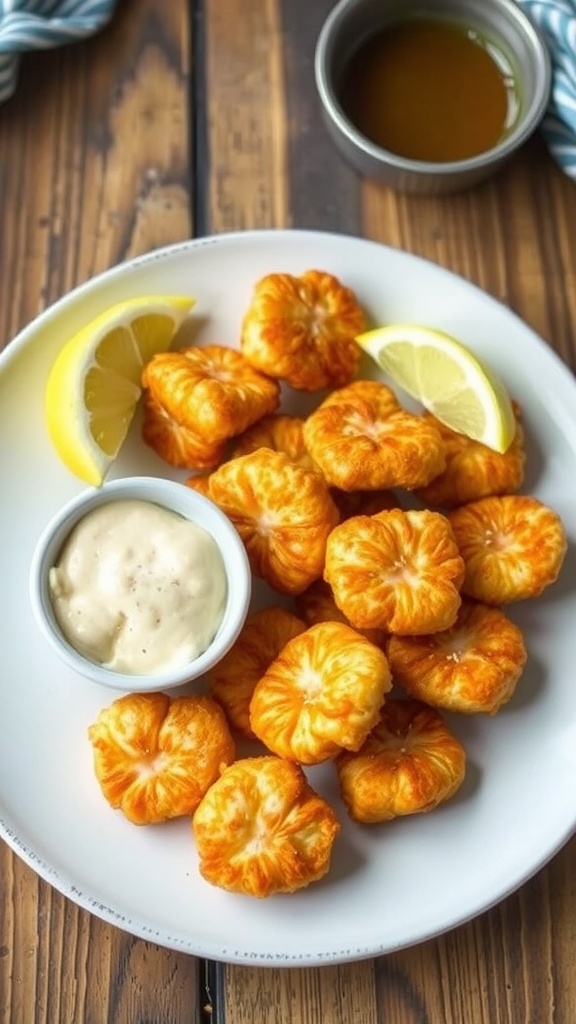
column 446, row 378
column 94, row 384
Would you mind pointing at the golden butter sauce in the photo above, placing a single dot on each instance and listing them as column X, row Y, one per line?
column 429, row 90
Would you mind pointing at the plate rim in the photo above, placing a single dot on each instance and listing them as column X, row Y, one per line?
column 59, row 879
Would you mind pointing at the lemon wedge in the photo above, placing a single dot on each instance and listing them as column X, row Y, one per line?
column 446, row 378
column 94, row 384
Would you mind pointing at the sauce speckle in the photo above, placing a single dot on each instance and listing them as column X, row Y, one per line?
column 138, row 588
column 429, row 90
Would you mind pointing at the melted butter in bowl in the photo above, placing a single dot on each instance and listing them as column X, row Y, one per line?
column 430, row 98
column 142, row 584
column 430, row 89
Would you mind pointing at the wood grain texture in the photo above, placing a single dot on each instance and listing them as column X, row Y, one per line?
column 324, row 192
column 511, row 236
column 94, row 163
column 333, row 995
column 94, row 168
column 246, row 127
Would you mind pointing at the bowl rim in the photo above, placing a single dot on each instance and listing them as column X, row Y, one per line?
column 175, row 496
column 517, row 135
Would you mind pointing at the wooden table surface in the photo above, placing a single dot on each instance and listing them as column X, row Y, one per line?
column 189, row 118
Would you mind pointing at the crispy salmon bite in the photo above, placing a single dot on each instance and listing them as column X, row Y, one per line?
column 278, row 432
column 513, row 547
column 396, row 571
column 363, row 503
column 410, row 763
column 283, row 513
column 473, row 470
column 177, row 444
column 262, row 830
column 317, row 604
column 199, row 482
column 323, row 693
column 213, row 391
column 156, row 756
column 301, row 329
column 472, row 668
column 363, row 440
column 233, row 680
column 374, row 392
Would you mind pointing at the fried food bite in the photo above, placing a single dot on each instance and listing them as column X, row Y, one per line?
column 471, row 668
column 199, row 482
column 317, row 604
column 232, row 682
column 261, row 829
column 278, row 432
column 213, row 391
column 366, row 441
column 513, row 547
column 175, row 443
column 322, row 693
column 409, row 764
column 362, row 503
column 283, row 513
column 473, row 470
column 302, row 330
column 156, row 756
column 397, row 571
column 365, row 390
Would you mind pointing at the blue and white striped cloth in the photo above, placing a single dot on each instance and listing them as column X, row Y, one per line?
column 41, row 24
column 556, row 19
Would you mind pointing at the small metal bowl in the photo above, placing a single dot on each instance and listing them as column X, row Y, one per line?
column 175, row 497
column 502, row 22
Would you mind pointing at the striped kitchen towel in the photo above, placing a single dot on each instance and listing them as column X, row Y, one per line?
column 556, row 20
column 41, row 24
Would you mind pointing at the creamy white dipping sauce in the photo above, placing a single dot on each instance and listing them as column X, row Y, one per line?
column 138, row 588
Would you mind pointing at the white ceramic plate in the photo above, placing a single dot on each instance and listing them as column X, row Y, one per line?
column 390, row 885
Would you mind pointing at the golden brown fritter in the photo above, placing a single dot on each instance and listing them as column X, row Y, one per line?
column 397, row 571
column 321, row 694
column 282, row 512
column 214, row 391
column 410, row 763
column 156, row 756
column 199, row 482
column 513, row 547
column 261, row 829
column 369, row 443
column 278, row 432
column 176, row 444
column 473, row 470
column 263, row 636
column 301, row 329
column 381, row 397
column 362, row 503
column 317, row 604
column 471, row 668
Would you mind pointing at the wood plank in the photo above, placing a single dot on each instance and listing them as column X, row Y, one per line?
column 508, row 965
column 125, row 189
column 335, row 995
column 324, row 191
column 510, row 235
column 93, row 170
column 270, row 163
column 245, row 131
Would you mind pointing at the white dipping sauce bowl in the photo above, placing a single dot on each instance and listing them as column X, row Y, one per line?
column 175, row 497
